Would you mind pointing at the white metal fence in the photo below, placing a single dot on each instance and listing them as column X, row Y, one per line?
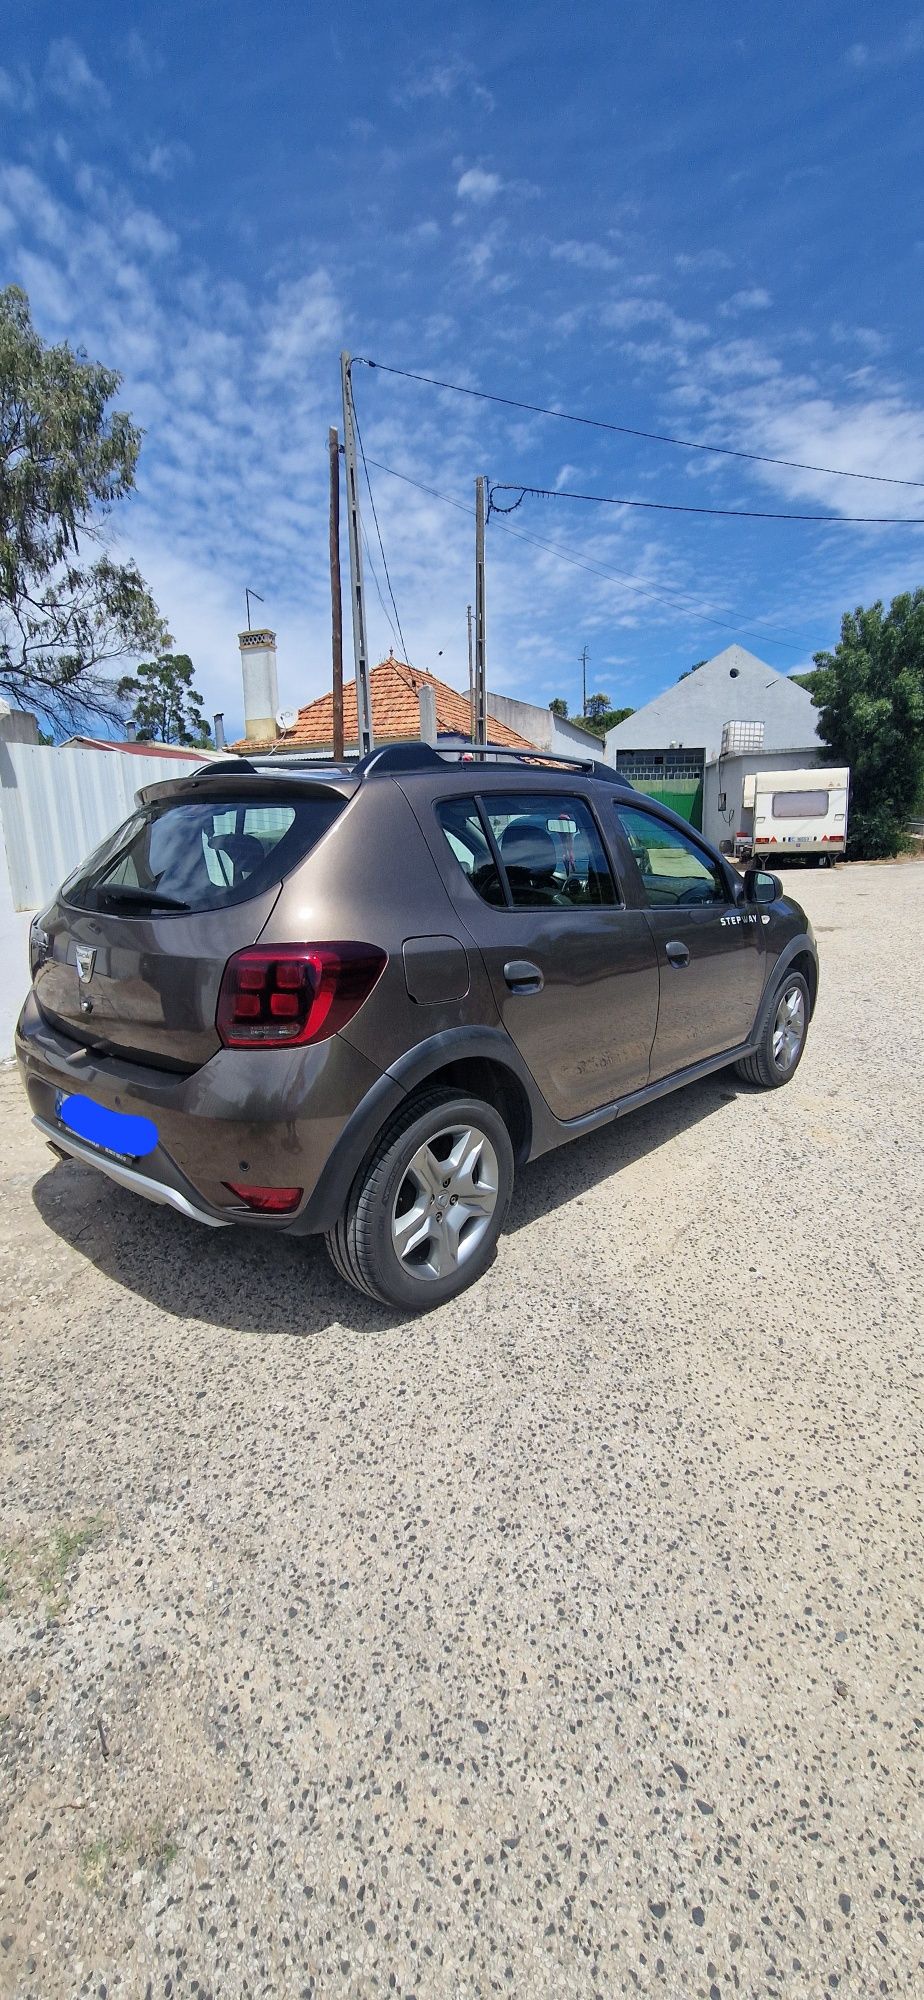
column 58, row 804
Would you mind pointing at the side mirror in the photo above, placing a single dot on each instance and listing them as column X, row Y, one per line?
column 762, row 888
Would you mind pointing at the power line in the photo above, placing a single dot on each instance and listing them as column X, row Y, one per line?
column 404, row 651
column 677, row 507
column 683, row 599
column 386, row 614
column 628, row 430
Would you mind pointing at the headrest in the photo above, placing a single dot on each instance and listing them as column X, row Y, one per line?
column 529, row 847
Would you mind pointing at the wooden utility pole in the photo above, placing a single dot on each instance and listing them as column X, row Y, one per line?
column 471, row 677
column 336, row 597
column 481, row 718
column 357, row 594
column 584, row 681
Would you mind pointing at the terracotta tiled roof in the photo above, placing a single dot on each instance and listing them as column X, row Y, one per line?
column 395, row 713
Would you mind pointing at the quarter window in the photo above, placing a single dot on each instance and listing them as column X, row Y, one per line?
column 466, row 837
column 551, row 851
column 673, row 869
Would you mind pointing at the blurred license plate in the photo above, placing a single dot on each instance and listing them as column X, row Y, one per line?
column 119, row 1133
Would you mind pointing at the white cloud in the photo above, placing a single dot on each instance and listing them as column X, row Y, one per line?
column 140, row 56
column 17, row 90
column 477, row 185
column 866, row 338
column 163, row 161
column 887, row 54
column 33, row 205
column 305, row 318
column 586, row 256
column 442, row 80
column 703, row 260
column 143, row 231
column 68, row 75
column 741, row 359
column 752, row 299
column 622, row 314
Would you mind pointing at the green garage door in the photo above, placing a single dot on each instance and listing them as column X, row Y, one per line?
column 675, row 777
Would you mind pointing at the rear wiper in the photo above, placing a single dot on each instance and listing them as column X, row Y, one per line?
column 123, row 892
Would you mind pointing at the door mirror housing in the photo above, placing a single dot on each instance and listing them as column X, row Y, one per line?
column 760, row 887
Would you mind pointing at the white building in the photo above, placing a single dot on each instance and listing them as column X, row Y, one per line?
column 695, row 743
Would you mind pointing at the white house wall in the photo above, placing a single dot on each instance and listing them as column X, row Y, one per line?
column 735, row 686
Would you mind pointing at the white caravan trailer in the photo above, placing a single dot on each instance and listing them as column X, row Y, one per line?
column 794, row 812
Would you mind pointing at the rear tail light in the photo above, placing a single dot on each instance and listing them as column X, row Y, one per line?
column 266, row 1200
column 284, row 995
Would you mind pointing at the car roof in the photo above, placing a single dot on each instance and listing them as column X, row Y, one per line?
column 414, row 762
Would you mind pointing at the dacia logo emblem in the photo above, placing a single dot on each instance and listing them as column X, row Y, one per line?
column 86, row 959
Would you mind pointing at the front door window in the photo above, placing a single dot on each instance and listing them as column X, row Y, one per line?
column 674, row 870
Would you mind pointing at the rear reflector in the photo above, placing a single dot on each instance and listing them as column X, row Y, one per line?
column 266, row 1200
column 285, row 995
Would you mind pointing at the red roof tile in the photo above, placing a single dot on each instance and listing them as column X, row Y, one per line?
column 393, row 687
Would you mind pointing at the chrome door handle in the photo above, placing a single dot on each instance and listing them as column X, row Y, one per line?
column 677, row 953
column 523, row 976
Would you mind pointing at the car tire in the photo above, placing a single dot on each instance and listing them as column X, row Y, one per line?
column 781, row 1036
column 399, row 1240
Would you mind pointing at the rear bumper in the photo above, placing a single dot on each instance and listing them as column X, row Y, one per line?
column 273, row 1117
column 165, row 1196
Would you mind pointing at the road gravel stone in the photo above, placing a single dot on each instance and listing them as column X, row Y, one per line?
column 565, row 1642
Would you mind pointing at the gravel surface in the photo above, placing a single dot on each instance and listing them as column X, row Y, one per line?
column 564, row 1642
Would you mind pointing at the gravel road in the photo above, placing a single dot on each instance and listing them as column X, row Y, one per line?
column 565, row 1642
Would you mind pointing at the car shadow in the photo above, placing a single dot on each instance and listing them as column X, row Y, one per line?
column 248, row 1281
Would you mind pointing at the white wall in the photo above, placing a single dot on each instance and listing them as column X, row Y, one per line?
column 541, row 726
column 735, row 686
column 14, row 956
column 56, row 805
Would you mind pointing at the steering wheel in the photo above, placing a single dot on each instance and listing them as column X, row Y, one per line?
column 695, row 894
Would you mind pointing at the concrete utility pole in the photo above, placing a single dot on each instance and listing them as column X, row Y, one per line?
column 481, row 718
column 471, row 676
column 360, row 653
column 426, row 700
column 584, row 681
column 336, row 596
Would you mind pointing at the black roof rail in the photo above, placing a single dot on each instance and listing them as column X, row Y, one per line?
column 394, row 758
column 300, row 760
column 593, row 766
column 410, row 756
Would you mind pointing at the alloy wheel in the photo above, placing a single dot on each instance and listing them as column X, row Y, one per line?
column 788, row 1027
column 446, row 1202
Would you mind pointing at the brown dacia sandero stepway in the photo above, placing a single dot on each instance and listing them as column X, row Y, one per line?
column 353, row 1000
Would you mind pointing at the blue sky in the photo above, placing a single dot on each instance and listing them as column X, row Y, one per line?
column 701, row 220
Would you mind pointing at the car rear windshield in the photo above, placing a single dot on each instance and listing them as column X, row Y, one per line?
column 198, row 854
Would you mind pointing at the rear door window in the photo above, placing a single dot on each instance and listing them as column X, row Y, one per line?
column 197, row 854
column 550, row 850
